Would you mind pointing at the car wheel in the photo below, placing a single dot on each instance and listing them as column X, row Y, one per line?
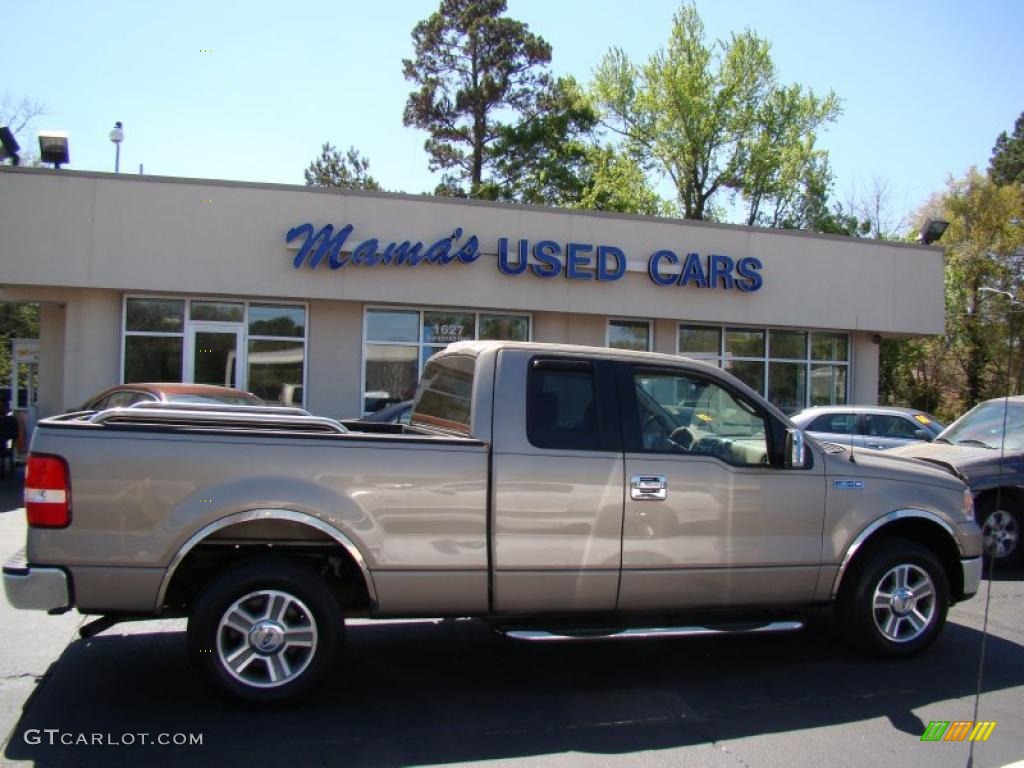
column 897, row 599
column 265, row 631
column 1000, row 530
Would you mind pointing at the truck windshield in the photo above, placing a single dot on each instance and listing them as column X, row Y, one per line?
column 444, row 396
column 983, row 426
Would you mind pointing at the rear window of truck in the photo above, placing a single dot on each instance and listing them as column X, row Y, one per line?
column 445, row 395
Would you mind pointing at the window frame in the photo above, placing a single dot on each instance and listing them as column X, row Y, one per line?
column 186, row 333
column 635, row 320
column 721, row 358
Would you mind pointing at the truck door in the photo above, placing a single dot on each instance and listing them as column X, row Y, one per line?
column 712, row 518
column 557, row 485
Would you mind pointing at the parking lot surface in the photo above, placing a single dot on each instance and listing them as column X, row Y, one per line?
column 443, row 692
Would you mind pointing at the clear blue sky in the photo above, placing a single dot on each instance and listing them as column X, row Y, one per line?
column 926, row 86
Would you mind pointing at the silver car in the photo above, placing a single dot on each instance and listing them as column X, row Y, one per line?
column 868, row 426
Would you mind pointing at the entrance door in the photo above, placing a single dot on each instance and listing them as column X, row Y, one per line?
column 215, row 353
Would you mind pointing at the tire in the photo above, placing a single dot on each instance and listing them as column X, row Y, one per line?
column 1000, row 530
column 897, row 599
column 265, row 631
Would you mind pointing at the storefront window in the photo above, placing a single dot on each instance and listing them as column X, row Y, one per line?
column 152, row 358
column 391, row 375
column 794, row 361
column 260, row 347
column 447, row 328
column 750, row 372
column 155, row 315
column 505, row 327
column 217, row 311
column 277, row 320
column 629, row 334
column 744, row 342
column 399, row 342
column 275, row 370
column 389, row 325
column 828, row 384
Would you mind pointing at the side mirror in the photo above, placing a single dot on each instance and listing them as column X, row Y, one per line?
column 795, row 449
column 920, row 434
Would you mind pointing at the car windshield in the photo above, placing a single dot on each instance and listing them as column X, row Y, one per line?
column 983, row 426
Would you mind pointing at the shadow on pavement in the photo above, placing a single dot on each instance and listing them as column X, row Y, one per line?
column 429, row 693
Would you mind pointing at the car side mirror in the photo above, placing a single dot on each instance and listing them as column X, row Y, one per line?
column 796, row 457
column 920, row 434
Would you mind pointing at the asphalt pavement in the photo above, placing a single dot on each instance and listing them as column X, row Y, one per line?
column 452, row 692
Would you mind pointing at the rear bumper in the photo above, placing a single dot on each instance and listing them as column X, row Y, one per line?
column 972, row 575
column 35, row 589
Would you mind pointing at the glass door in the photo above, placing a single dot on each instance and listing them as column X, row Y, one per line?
column 214, row 354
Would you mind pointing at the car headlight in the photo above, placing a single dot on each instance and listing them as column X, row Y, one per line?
column 968, row 507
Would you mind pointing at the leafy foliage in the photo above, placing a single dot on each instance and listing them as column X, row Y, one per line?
column 333, row 169
column 713, row 118
column 471, row 64
column 980, row 355
column 1007, row 163
column 552, row 158
column 17, row 321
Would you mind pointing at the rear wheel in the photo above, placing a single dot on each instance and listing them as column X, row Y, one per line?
column 897, row 599
column 265, row 631
column 1000, row 530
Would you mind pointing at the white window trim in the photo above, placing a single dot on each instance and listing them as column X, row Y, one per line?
column 637, row 321
column 721, row 359
column 419, row 343
column 185, row 335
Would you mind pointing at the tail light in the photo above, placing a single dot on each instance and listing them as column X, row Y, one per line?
column 47, row 491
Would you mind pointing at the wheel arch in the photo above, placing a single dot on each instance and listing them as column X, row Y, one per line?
column 919, row 525
column 308, row 528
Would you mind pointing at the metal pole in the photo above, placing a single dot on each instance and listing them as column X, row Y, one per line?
column 117, row 157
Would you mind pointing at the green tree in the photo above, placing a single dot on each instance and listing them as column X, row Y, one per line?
column 471, row 64
column 17, row 321
column 1007, row 163
column 984, row 250
column 333, row 169
column 713, row 118
column 553, row 158
column 980, row 354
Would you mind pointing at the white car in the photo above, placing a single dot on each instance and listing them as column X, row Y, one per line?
column 867, row 426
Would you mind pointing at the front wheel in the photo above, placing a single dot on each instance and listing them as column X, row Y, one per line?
column 897, row 600
column 1000, row 531
column 265, row 631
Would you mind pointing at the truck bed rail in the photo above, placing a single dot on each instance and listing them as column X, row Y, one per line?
column 213, row 416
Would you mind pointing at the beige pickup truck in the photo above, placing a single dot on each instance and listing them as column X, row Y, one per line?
column 556, row 492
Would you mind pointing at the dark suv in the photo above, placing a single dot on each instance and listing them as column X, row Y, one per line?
column 990, row 459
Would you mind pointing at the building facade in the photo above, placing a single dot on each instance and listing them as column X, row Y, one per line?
column 335, row 299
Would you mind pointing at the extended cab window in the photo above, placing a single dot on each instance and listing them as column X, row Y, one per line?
column 562, row 406
column 687, row 414
column 445, row 395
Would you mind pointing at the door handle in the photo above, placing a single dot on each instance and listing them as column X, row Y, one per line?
column 648, row 488
column 873, row 445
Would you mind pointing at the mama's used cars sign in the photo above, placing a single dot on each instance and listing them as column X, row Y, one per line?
column 542, row 258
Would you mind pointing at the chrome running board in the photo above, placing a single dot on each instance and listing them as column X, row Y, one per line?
column 547, row 636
